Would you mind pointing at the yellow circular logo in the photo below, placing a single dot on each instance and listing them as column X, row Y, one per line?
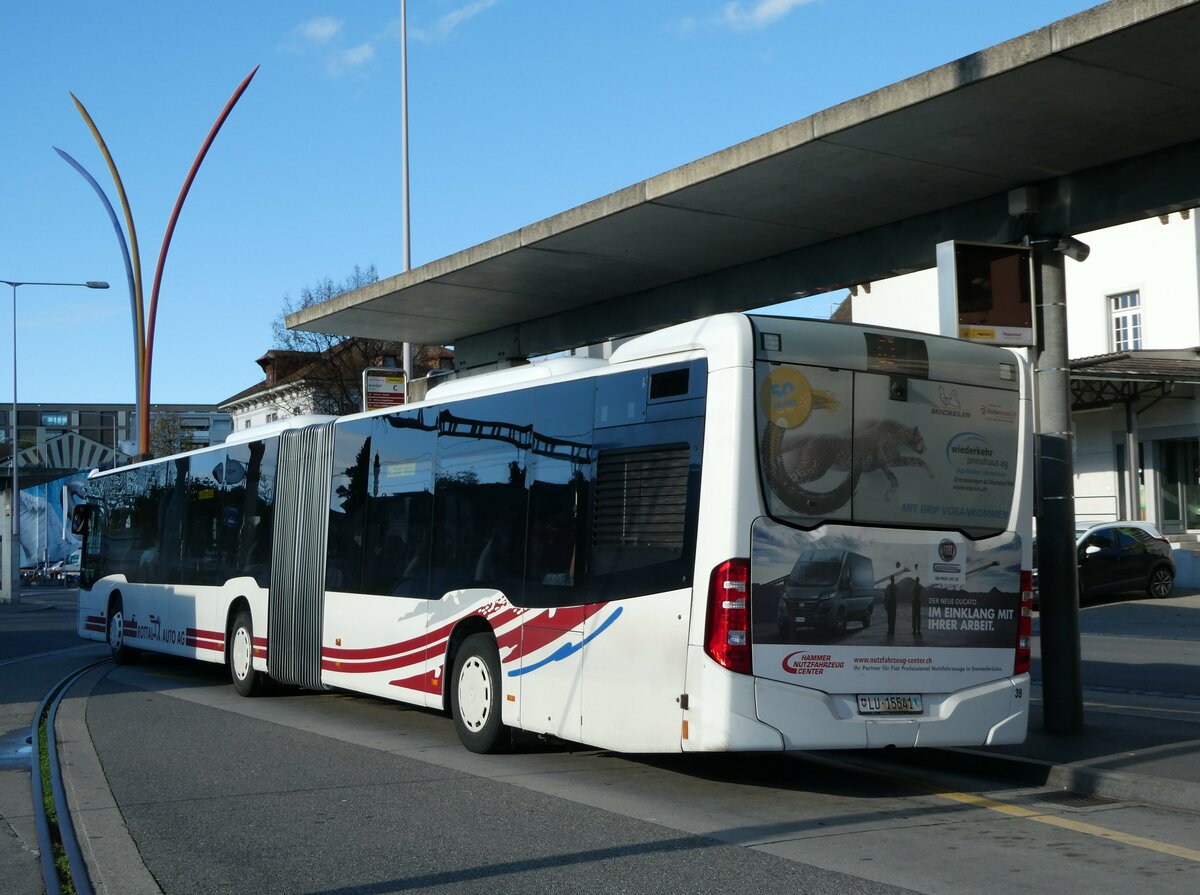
column 787, row 397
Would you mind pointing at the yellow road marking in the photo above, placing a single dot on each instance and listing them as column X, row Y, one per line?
column 1053, row 820
column 1139, row 708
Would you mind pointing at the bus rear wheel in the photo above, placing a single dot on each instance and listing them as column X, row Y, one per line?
column 476, row 695
column 240, row 656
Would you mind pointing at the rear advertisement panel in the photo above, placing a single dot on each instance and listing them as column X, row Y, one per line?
column 859, row 610
column 837, row 445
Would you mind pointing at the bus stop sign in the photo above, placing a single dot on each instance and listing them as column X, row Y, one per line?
column 383, row 387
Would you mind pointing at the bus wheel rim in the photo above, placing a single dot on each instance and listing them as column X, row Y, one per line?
column 474, row 694
column 241, row 653
column 116, row 630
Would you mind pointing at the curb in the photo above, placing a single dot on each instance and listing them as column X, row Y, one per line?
column 114, row 863
column 1124, row 786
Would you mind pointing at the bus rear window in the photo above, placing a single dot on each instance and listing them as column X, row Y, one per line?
column 877, row 448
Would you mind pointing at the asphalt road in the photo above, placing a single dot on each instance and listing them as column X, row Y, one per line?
column 334, row 793
column 1140, row 646
column 218, row 801
column 347, row 795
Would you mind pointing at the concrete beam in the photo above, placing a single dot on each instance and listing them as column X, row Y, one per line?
column 1128, row 190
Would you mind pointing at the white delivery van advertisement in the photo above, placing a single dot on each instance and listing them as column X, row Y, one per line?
column 837, row 608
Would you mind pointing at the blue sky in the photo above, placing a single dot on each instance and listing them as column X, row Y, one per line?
column 518, row 109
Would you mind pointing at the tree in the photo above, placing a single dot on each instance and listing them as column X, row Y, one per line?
column 167, row 434
column 335, row 371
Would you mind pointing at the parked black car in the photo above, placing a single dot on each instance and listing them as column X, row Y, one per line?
column 1120, row 557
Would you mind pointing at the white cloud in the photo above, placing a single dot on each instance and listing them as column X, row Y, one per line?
column 321, row 29
column 757, row 15
column 443, row 27
column 359, row 55
column 323, row 37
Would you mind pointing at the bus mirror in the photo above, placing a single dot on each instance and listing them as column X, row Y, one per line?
column 81, row 515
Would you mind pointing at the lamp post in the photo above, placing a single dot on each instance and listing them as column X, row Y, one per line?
column 408, row 346
column 116, row 438
column 15, row 548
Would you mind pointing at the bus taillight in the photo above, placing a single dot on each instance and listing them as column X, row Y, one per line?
column 727, row 627
column 1025, row 626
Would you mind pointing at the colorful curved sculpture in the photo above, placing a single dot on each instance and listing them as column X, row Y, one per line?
column 143, row 326
column 143, row 423
column 137, row 263
column 138, row 335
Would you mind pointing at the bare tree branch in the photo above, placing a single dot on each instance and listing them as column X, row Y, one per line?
column 338, row 361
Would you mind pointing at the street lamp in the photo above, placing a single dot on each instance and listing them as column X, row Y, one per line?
column 12, row 450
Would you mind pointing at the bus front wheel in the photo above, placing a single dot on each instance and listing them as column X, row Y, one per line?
column 246, row 680
column 476, row 695
column 121, row 651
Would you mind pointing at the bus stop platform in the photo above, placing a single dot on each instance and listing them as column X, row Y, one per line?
column 1140, row 739
column 1120, row 756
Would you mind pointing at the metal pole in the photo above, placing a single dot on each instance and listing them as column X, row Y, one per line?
column 404, row 128
column 1062, row 683
column 15, row 552
column 1133, row 492
column 16, row 516
column 408, row 348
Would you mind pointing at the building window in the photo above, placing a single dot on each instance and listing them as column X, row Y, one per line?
column 1125, row 311
column 272, row 417
column 54, row 418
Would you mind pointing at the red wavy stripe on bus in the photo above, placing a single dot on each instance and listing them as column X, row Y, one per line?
column 422, row 683
column 413, row 645
column 371, row 667
column 519, row 641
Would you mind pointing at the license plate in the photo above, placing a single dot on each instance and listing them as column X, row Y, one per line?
column 905, row 704
column 799, row 619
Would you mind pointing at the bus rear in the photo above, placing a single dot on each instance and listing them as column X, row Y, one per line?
column 881, row 595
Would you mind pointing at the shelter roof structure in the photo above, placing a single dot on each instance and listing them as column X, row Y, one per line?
column 1089, row 122
column 1106, row 379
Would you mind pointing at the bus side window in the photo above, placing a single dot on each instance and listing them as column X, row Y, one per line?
column 348, row 505
column 559, row 476
column 645, row 511
column 480, row 504
column 646, row 493
column 91, row 559
column 400, row 505
column 251, row 493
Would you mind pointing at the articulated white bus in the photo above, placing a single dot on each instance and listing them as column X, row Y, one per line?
column 739, row 533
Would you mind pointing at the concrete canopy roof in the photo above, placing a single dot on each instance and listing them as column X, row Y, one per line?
column 1099, row 113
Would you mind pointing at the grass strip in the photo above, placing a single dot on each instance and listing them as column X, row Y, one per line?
column 61, row 864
